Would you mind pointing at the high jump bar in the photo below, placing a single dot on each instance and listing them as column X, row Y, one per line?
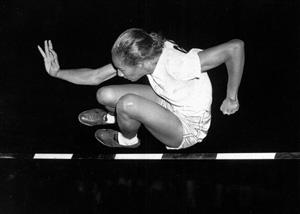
column 155, row 156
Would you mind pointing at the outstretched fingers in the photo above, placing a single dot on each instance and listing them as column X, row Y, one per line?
column 50, row 58
column 51, row 51
column 50, row 45
column 48, row 53
column 41, row 51
column 46, row 48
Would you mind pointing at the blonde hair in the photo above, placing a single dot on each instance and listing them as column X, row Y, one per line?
column 136, row 45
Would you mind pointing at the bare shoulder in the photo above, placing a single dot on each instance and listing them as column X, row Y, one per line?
column 216, row 55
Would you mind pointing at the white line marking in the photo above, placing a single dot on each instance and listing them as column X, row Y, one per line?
column 52, row 156
column 245, row 156
column 138, row 156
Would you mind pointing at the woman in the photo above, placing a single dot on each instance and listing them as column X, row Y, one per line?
column 175, row 108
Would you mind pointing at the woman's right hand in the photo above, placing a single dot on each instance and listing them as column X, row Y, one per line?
column 50, row 59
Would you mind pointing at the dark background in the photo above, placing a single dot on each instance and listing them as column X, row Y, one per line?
column 63, row 187
column 39, row 113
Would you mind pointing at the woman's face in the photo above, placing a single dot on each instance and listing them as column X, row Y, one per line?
column 132, row 73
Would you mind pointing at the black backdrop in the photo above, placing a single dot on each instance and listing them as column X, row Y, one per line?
column 39, row 113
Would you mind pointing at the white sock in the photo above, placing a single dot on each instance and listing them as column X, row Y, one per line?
column 125, row 141
column 110, row 119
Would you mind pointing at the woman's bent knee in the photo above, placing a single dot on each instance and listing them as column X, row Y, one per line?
column 106, row 96
column 127, row 104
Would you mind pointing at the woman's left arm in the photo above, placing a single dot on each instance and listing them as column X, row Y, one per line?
column 232, row 54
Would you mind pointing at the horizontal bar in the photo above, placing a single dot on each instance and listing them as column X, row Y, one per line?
column 156, row 156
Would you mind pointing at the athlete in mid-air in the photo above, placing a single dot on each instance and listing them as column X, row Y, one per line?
column 175, row 107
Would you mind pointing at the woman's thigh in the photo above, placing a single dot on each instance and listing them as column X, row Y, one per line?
column 110, row 95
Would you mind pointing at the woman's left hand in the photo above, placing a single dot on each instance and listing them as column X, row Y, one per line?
column 230, row 106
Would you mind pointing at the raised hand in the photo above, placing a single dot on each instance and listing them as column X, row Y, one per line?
column 230, row 106
column 50, row 58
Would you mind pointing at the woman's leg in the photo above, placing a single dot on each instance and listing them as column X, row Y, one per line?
column 109, row 97
column 133, row 110
column 138, row 104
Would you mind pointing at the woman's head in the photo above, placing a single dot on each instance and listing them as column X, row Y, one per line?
column 134, row 49
column 135, row 46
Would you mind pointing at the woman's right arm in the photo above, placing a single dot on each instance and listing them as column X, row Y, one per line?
column 82, row 76
column 87, row 76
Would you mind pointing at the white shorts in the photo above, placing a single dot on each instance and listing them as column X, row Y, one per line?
column 195, row 128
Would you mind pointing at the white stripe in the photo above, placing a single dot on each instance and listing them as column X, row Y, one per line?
column 245, row 156
column 138, row 156
column 53, row 156
column 6, row 156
